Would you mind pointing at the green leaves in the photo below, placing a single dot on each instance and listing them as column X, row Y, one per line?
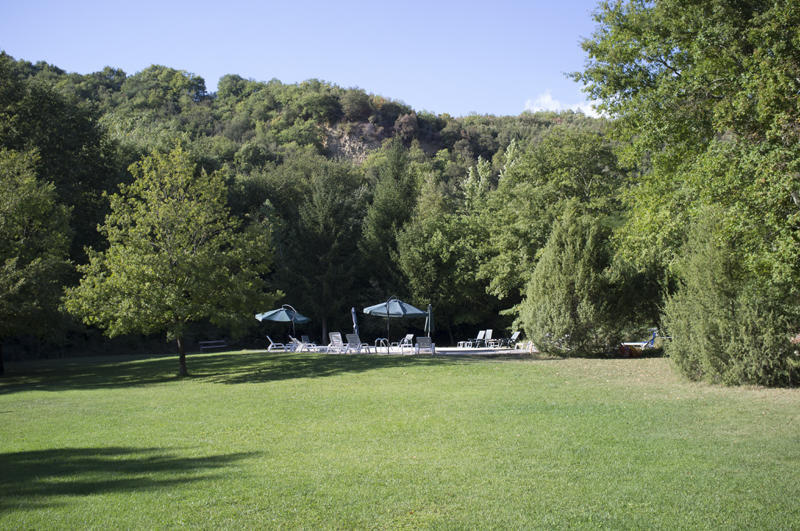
column 567, row 299
column 705, row 94
column 175, row 255
column 34, row 241
column 568, row 165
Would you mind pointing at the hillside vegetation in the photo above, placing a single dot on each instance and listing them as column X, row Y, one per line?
column 679, row 211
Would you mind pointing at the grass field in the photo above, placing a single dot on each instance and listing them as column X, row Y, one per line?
column 285, row 440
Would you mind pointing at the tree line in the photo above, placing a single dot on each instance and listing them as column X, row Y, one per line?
column 679, row 210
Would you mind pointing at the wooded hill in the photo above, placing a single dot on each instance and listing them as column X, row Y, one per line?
column 680, row 213
column 272, row 142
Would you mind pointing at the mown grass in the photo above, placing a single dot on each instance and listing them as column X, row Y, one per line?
column 285, row 440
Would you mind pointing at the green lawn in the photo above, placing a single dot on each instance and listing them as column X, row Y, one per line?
column 284, row 440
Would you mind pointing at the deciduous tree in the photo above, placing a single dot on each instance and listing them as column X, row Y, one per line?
column 34, row 242
column 705, row 97
column 174, row 256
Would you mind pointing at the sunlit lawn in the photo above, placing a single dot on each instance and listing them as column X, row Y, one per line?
column 264, row 440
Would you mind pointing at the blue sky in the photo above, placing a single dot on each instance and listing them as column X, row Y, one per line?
column 458, row 57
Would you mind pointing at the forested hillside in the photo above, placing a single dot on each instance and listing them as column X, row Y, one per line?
column 362, row 196
column 679, row 213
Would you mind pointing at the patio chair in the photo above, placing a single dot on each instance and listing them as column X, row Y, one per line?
column 355, row 345
column 295, row 345
column 300, row 345
column 472, row 342
column 488, row 341
column 308, row 344
column 648, row 343
column 636, row 347
column 336, row 345
column 274, row 347
column 511, row 341
column 407, row 341
column 424, row 343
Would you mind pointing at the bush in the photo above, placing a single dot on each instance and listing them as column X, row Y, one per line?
column 726, row 327
column 566, row 304
column 356, row 106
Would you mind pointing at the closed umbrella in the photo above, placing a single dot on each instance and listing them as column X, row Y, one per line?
column 284, row 314
column 355, row 320
column 429, row 321
column 393, row 307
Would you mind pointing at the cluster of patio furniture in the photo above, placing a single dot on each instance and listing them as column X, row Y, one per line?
column 352, row 344
column 484, row 340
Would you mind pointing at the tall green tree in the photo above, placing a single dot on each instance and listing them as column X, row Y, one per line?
column 705, row 97
column 568, row 297
column 437, row 254
column 74, row 152
column 175, row 256
column 567, row 165
column 317, row 236
column 393, row 199
column 34, row 244
column 724, row 327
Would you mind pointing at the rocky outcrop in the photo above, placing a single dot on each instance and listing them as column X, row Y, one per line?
column 353, row 141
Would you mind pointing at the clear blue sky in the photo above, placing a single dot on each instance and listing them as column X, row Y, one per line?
column 457, row 57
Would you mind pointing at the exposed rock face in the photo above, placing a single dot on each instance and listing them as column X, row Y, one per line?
column 353, row 141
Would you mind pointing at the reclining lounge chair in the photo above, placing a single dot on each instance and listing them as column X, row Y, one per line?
column 355, row 345
column 274, row 347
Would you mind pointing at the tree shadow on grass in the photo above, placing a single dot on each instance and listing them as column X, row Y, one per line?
column 228, row 368
column 286, row 366
column 89, row 373
column 41, row 478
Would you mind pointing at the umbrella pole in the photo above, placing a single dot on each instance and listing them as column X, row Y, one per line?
column 388, row 342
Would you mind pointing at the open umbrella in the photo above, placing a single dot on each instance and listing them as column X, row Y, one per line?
column 393, row 307
column 284, row 314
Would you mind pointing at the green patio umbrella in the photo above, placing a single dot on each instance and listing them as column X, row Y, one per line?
column 284, row 314
column 393, row 308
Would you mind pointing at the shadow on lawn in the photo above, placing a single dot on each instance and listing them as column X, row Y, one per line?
column 281, row 366
column 31, row 480
column 228, row 368
column 89, row 373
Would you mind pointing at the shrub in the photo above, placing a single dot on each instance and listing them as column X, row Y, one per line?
column 727, row 327
column 566, row 302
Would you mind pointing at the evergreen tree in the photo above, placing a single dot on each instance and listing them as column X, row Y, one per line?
column 567, row 300
column 393, row 201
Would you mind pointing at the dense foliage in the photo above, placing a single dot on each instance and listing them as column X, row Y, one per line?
column 705, row 101
column 33, row 247
column 174, row 256
column 680, row 210
column 568, row 300
column 361, row 197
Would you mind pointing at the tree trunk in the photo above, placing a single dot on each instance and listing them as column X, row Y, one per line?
column 182, row 371
column 324, row 339
column 2, row 369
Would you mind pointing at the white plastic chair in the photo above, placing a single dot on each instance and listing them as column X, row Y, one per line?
column 424, row 343
column 274, row 347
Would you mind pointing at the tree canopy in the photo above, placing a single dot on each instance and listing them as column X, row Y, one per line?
column 174, row 256
column 34, row 242
column 704, row 96
column 679, row 209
